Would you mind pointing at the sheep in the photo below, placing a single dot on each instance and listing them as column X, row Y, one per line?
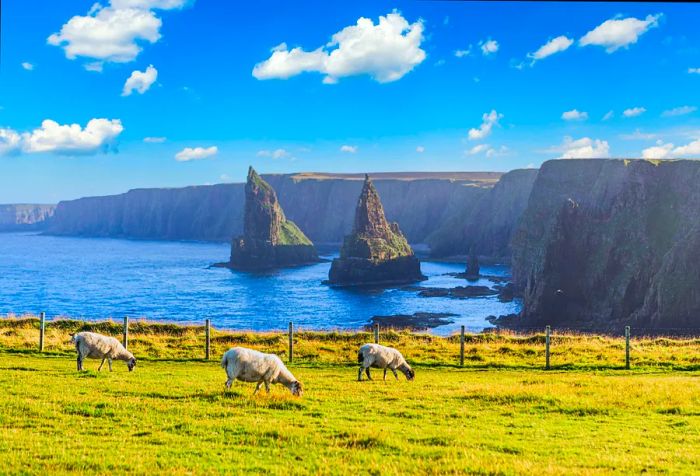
column 249, row 365
column 97, row 346
column 379, row 356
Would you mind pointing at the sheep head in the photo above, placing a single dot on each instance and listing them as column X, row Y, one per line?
column 407, row 371
column 297, row 388
column 131, row 363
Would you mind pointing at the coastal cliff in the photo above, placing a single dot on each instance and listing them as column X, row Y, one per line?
column 606, row 243
column 376, row 252
column 269, row 239
column 321, row 205
column 29, row 217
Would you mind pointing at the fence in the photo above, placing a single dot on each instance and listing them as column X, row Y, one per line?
column 624, row 357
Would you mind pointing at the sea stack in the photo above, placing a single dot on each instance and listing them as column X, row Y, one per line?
column 473, row 269
column 269, row 240
column 376, row 252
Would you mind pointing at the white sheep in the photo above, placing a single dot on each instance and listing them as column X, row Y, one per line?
column 97, row 346
column 382, row 357
column 249, row 365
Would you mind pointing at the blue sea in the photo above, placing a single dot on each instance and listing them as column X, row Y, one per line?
column 99, row 278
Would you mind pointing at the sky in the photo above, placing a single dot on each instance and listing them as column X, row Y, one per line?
column 100, row 98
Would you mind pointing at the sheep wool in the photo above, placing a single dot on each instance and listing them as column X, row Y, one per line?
column 382, row 357
column 249, row 365
column 98, row 346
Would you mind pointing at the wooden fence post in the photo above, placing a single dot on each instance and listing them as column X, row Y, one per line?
column 548, row 331
column 627, row 347
column 42, row 330
column 207, row 330
column 125, row 336
column 376, row 333
column 291, row 341
column 461, row 347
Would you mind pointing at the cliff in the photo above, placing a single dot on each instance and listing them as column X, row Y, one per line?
column 486, row 225
column 320, row 204
column 607, row 243
column 376, row 252
column 19, row 217
column 269, row 240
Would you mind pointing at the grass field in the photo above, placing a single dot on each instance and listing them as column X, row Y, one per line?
column 500, row 414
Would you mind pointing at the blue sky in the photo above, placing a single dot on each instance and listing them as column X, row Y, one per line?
column 420, row 86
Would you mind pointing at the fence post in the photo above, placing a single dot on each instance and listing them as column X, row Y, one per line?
column 548, row 331
column 125, row 337
column 461, row 347
column 291, row 341
column 627, row 347
column 207, row 331
column 42, row 329
column 376, row 333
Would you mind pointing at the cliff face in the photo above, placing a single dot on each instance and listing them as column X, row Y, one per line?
column 269, row 240
column 486, row 225
column 606, row 243
column 376, row 252
column 320, row 204
column 18, row 217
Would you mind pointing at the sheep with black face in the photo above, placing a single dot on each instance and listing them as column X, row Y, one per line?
column 249, row 365
column 98, row 346
column 382, row 357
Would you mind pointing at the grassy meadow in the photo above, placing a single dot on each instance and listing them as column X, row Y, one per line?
column 499, row 414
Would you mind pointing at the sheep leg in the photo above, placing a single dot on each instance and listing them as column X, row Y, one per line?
column 359, row 374
column 101, row 364
column 109, row 361
column 385, row 373
column 80, row 363
column 369, row 377
column 267, row 386
column 257, row 387
column 395, row 374
column 228, row 383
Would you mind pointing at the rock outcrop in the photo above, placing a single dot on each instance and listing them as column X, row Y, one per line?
column 608, row 243
column 25, row 217
column 269, row 240
column 473, row 270
column 376, row 252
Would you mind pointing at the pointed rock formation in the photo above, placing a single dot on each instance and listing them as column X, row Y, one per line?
column 376, row 252
column 269, row 240
column 473, row 268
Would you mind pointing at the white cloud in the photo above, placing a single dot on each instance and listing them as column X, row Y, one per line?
column 619, row 32
column 154, row 140
column 349, row 149
column 68, row 139
column 275, row 154
column 96, row 66
column 477, row 149
column 679, row 111
column 28, row 66
column 488, row 151
column 488, row 47
column 584, row 148
column 574, row 115
column 463, row 53
column 634, row 111
column 386, row 52
column 112, row 33
column 555, row 45
column 489, row 119
column 196, row 153
column 420, row 149
column 225, row 177
column 668, row 151
column 140, row 81
column 638, row 135
column 694, row 70
column 608, row 115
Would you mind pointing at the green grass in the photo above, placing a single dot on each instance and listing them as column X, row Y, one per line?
column 174, row 417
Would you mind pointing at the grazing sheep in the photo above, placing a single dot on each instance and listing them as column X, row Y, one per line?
column 97, row 346
column 381, row 357
column 249, row 365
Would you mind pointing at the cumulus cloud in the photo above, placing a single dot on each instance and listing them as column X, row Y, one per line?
column 28, row 66
column 140, row 81
column 68, row 139
column 574, row 115
column 386, row 52
column 619, row 32
column 634, row 111
column 489, row 120
column 477, row 149
column 195, row 153
column 463, row 53
column 348, row 149
column 584, row 148
column 112, row 33
column 553, row 46
column 668, row 151
column 274, row 154
column 679, row 111
column 154, row 140
column 488, row 47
